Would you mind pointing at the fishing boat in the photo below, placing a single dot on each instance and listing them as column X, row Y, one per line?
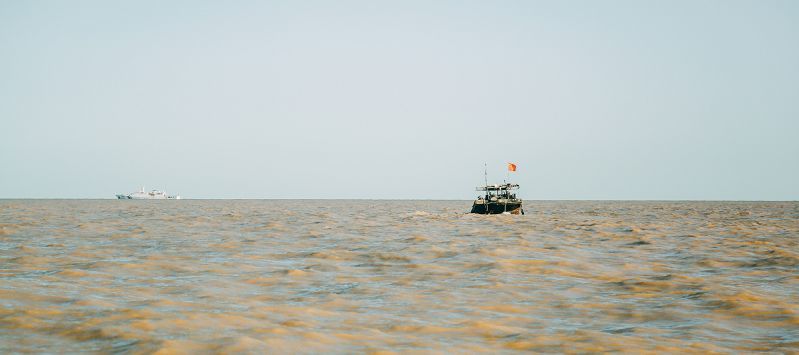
column 498, row 199
column 152, row 195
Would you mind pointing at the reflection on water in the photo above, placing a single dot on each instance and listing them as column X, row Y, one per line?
column 361, row 276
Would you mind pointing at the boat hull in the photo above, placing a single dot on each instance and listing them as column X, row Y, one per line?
column 483, row 207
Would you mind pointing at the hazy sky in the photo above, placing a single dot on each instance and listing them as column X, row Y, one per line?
column 405, row 99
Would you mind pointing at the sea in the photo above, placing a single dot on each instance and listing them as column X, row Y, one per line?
column 362, row 276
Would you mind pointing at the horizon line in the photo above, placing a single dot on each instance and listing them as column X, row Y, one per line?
column 394, row 199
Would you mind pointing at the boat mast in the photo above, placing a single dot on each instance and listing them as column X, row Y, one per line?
column 507, row 191
column 485, row 174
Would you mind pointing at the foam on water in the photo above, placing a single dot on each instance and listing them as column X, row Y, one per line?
column 363, row 276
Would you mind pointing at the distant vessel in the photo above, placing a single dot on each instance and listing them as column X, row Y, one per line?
column 152, row 195
column 498, row 199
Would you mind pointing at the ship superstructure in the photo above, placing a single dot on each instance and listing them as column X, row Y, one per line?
column 151, row 195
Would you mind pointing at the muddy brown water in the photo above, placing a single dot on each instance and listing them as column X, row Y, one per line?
column 365, row 276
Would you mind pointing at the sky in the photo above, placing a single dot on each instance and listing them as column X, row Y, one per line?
column 641, row 100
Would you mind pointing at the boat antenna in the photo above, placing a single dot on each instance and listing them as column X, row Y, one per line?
column 485, row 172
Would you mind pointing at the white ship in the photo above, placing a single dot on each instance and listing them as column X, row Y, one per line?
column 152, row 195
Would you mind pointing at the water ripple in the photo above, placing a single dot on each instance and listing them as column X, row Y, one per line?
column 366, row 276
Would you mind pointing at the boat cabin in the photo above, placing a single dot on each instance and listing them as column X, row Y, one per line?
column 496, row 192
column 498, row 198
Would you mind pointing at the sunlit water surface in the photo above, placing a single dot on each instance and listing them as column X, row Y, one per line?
column 362, row 276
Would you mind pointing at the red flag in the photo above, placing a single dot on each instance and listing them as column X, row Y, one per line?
column 511, row 167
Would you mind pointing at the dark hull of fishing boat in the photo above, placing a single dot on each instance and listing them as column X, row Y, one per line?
column 497, row 207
